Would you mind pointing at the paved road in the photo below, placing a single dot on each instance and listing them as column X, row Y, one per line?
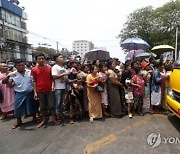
column 107, row 136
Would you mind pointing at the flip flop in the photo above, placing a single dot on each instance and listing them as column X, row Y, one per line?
column 3, row 118
column 16, row 126
column 56, row 122
column 71, row 122
column 152, row 112
column 40, row 125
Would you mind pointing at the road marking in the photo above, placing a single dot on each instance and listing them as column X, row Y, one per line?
column 99, row 143
column 96, row 145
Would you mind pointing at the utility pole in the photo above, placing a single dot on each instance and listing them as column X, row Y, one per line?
column 3, row 42
column 57, row 43
column 176, row 46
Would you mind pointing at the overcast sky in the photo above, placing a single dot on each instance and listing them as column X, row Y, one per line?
column 99, row 21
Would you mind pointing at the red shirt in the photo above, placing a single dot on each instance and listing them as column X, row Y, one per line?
column 43, row 78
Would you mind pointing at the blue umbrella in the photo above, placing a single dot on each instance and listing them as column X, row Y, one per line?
column 134, row 43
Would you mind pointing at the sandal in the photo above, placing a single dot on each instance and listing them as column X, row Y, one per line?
column 141, row 114
column 106, row 114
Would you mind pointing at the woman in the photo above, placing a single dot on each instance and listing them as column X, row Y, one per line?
column 94, row 97
column 104, row 94
column 113, row 90
column 82, row 77
column 7, row 104
column 96, row 63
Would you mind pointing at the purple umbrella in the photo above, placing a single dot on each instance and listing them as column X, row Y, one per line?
column 134, row 43
column 133, row 53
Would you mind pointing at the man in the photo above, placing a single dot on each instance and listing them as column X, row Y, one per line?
column 24, row 103
column 60, row 76
column 43, row 88
column 156, row 87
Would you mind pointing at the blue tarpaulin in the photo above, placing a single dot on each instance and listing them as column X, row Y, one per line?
column 11, row 7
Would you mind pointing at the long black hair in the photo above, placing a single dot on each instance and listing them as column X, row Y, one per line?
column 110, row 63
column 92, row 68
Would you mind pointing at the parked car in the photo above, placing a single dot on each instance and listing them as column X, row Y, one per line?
column 173, row 92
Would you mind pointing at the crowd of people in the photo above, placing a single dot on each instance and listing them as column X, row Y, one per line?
column 94, row 90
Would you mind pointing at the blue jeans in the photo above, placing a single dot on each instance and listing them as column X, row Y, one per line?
column 59, row 97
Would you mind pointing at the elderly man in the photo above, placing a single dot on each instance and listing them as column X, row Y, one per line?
column 24, row 103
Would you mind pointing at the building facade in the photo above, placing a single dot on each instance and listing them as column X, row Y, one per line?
column 82, row 46
column 13, row 40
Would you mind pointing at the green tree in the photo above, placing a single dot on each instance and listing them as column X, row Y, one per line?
column 45, row 50
column 67, row 53
column 156, row 26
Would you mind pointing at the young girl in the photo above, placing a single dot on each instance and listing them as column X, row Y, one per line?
column 129, row 97
column 139, row 85
column 104, row 95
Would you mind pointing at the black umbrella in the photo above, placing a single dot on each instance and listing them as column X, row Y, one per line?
column 98, row 54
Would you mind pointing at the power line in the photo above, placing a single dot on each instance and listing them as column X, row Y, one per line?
column 55, row 41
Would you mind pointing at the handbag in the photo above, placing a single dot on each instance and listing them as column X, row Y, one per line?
column 1, row 96
column 100, row 87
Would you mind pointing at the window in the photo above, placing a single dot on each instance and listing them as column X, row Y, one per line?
column 3, row 15
column 8, row 18
column 17, row 21
column 10, row 34
column 11, row 18
column 21, row 37
column 15, row 33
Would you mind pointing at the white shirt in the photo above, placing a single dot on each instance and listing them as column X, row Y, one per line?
column 59, row 83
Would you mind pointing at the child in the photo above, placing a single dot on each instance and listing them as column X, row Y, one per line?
column 139, row 88
column 129, row 97
column 104, row 95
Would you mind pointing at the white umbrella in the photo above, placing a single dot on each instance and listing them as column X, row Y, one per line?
column 146, row 55
column 134, row 43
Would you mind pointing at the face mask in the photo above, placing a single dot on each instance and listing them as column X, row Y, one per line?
column 10, row 66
